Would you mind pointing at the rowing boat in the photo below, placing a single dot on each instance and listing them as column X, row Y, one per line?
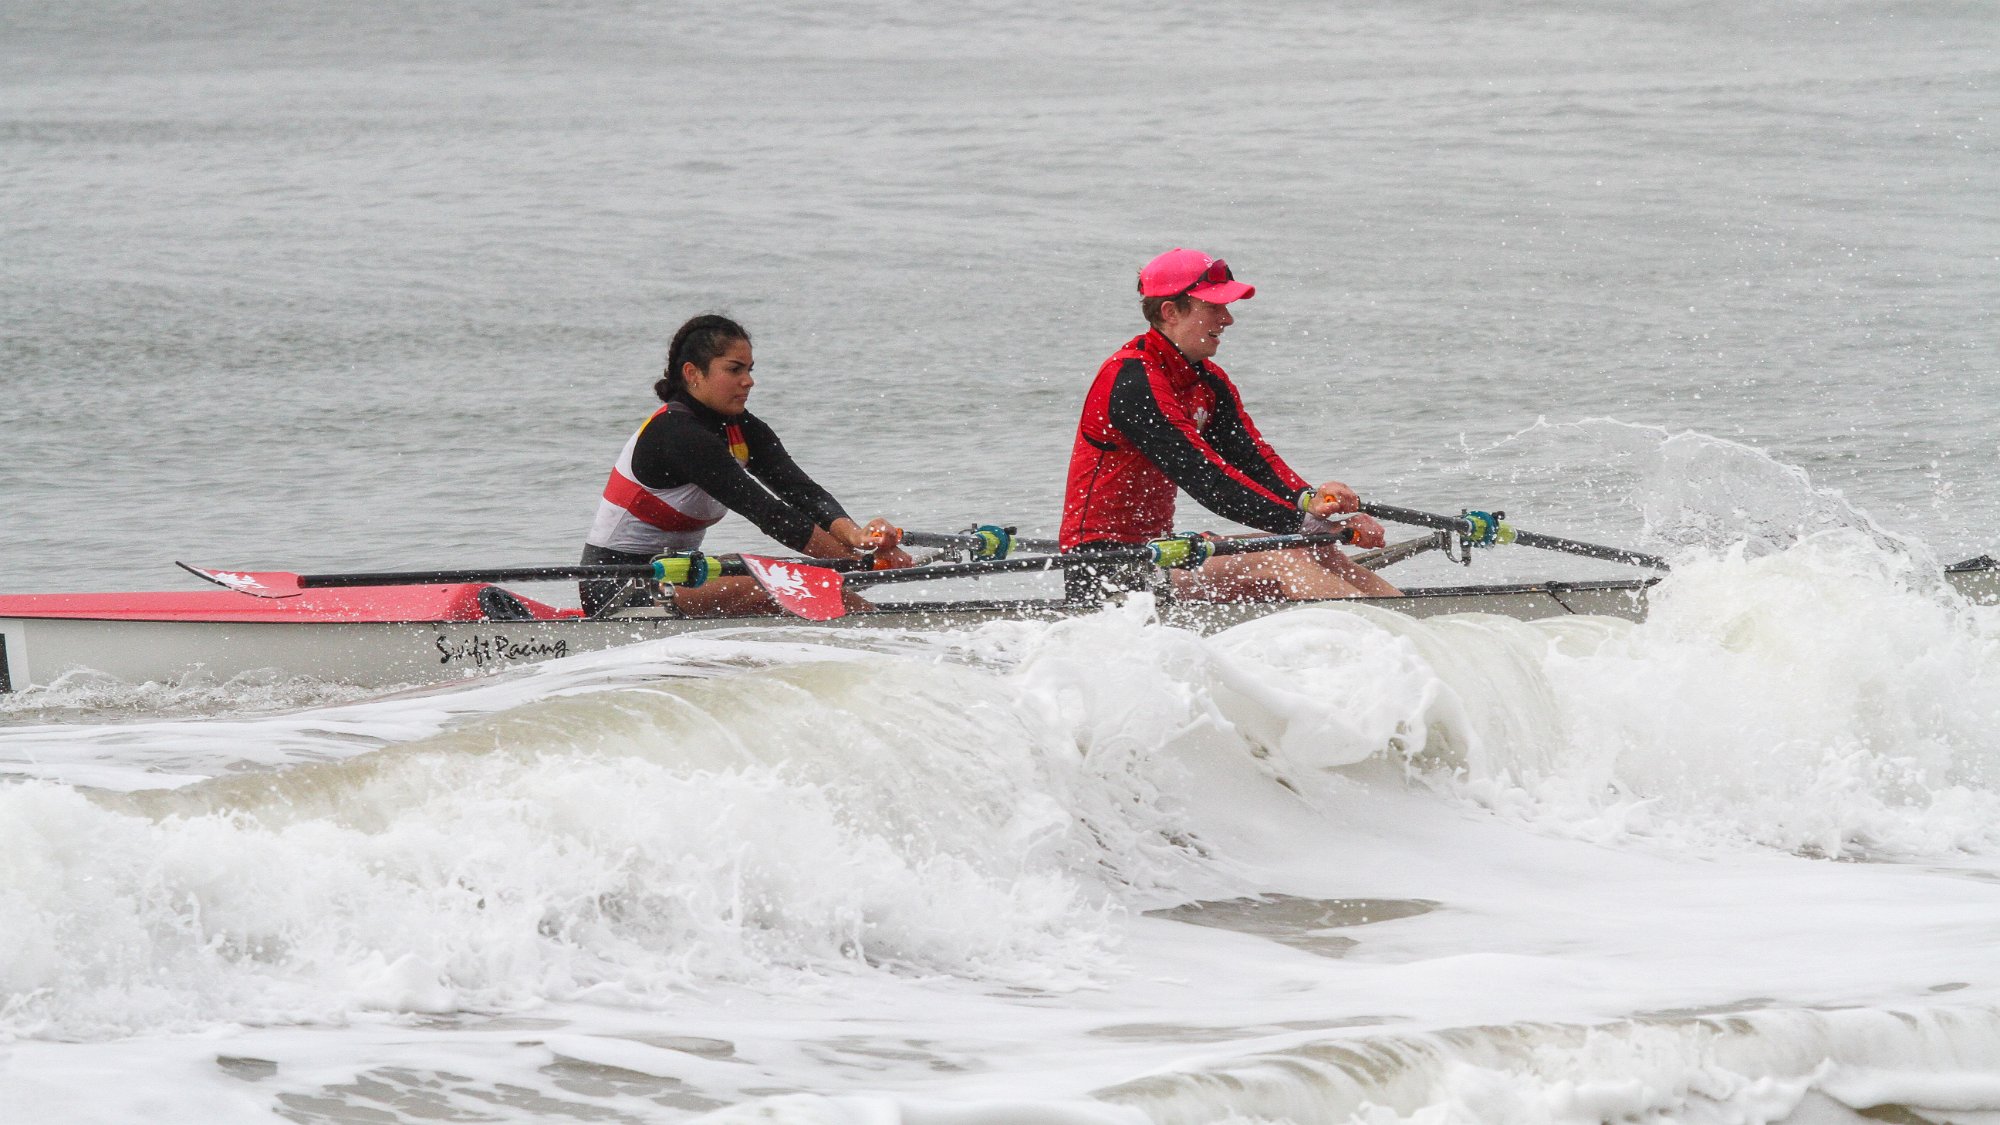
column 386, row 636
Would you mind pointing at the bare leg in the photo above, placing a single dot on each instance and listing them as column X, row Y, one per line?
column 1368, row 583
column 742, row 597
column 725, row 597
column 1299, row 574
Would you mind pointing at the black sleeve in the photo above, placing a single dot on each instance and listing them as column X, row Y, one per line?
column 770, row 463
column 675, row 451
column 1231, row 438
column 1165, row 434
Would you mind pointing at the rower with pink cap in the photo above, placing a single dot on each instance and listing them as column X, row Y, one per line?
column 1161, row 417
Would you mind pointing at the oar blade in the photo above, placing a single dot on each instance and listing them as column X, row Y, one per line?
column 256, row 583
column 811, row 592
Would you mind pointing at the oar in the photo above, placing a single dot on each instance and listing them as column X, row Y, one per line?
column 1397, row 552
column 675, row 570
column 814, row 592
column 801, row 586
column 1483, row 529
column 986, row 541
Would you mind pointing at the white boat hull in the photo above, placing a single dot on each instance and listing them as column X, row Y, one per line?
column 39, row 650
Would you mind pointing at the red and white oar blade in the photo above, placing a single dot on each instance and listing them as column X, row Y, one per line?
column 256, row 583
column 811, row 592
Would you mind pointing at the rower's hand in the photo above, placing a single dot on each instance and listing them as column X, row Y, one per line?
column 881, row 537
column 887, row 541
column 1331, row 499
column 1360, row 530
column 857, row 538
column 1367, row 533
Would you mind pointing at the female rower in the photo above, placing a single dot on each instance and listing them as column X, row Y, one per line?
column 701, row 456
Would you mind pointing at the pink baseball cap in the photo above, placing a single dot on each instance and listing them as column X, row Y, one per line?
column 1194, row 273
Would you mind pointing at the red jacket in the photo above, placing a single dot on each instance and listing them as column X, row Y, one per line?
column 1154, row 421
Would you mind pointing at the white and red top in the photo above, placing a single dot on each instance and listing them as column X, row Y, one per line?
column 688, row 466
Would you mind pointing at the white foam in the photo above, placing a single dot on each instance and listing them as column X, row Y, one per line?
column 956, row 834
column 1808, row 700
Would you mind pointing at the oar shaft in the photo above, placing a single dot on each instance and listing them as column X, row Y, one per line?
column 478, row 574
column 1588, row 550
column 726, row 567
column 930, row 571
column 1142, row 553
column 968, row 541
column 1397, row 552
column 1415, row 518
column 1463, row 526
column 1278, row 542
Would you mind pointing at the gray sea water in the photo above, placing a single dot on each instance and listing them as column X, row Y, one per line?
column 311, row 285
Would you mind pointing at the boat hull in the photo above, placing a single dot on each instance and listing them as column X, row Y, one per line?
column 387, row 653
column 39, row 650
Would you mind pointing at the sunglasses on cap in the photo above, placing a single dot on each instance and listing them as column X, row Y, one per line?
column 1216, row 273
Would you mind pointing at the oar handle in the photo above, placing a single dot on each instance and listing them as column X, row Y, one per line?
column 1476, row 530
